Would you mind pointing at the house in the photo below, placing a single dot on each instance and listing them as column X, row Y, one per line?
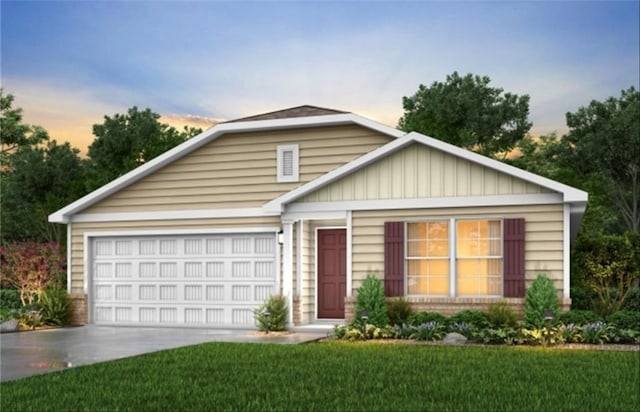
column 307, row 202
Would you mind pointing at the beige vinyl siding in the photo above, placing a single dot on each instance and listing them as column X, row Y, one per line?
column 543, row 237
column 239, row 170
column 78, row 230
column 418, row 171
column 308, row 273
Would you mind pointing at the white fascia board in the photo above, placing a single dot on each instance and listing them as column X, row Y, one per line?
column 170, row 215
column 362, row 161
column 570, row 194
column 62, row 215
column 300, row 209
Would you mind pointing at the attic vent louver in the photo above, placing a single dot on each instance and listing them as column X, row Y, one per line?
column 288, row 163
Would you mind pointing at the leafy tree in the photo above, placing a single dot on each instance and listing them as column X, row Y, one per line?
column 13, row 132
column 126, row 141
column 603, row 144
column 40, row 181
column 467, row 112
column 607, row 266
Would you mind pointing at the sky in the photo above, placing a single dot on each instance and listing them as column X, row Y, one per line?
column 70, row 63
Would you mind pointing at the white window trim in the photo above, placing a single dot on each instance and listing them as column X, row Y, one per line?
column 295, row 176
column 453, row 256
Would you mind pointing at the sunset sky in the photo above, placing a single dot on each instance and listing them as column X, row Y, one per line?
column 70, row 63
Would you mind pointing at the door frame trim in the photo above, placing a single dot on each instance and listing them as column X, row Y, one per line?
column 315, row 263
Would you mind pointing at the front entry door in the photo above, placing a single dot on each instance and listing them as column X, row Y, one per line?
column 332, row 273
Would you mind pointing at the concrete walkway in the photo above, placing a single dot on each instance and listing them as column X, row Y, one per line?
column 25, row 354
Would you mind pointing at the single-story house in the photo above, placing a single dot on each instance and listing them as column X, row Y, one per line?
column 306, row 202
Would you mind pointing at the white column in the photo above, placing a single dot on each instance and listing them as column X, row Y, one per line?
column 287, row 266
column 349, row 255
column 566, row 255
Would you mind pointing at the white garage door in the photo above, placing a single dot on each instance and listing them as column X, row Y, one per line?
column 205, row 280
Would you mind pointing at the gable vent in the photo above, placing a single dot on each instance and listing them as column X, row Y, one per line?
column 288, row 163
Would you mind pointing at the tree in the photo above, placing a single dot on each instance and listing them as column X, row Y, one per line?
column 124, row 142
column 13, row 132
column 467, row 112
column 40, row 181
column 604, row 143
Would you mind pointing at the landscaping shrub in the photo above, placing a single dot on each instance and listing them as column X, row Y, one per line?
column 432, row 330
column 31, row 268
column 596, row 333
column 420, row 318
column 579, row 317
column 570, row 333
column 501, row 315
column 475, row 318
column 541, row 297
column 9, row 299
column 55, row 307
column 625, row 319
column 632, row 302
column 608, row 267
column 464, row 328
column 398, row 311
column 508, row 336
column 581, row 298
column 277, row 318
column 371, row 299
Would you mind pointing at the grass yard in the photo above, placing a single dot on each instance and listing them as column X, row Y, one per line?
column 340, row 376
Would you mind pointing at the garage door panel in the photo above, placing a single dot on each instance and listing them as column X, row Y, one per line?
column 187, row 281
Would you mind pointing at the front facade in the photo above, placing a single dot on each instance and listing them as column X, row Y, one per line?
column 307, row 202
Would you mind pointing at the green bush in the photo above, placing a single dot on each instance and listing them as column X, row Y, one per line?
column 608, row 267
column 501, row 315
column 502, row 336
column 276, row 320
column 625, row 319
column 429, row 331
column 579, row 317
column 370, row 299
column 541, row 298
column 475, row 318
column 55, row 307
column 596, row 333
column 581, row 298
column 420, row 318
column 632, row 302
column 398, row 310
column 9, row 299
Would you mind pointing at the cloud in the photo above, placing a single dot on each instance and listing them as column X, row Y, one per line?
column 180, row 120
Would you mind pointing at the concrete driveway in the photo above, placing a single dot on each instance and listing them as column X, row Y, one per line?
column 24, row 354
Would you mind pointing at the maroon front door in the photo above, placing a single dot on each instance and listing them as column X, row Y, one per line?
column 332, row 273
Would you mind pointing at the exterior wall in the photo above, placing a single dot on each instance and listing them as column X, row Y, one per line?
column 543, row 237
column 78, row 230
column 308, row 279
column 418, row 171
column 239, row 170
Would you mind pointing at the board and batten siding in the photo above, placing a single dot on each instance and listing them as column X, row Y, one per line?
column 78, row 270
column 418, row 171
column 543, row 237
column 239, row 170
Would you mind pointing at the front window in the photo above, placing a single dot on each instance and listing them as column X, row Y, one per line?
column 472, row 268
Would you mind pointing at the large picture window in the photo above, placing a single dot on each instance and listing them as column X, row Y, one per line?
column 473, row 267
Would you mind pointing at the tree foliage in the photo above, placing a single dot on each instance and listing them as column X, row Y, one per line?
column 541, row 298
column 467, row 112
column 603, row 144
column 370, row 299
column 126, row 141
column 607, row 266
column 14, row 132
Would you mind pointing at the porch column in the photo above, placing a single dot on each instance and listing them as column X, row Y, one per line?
column 287, row 266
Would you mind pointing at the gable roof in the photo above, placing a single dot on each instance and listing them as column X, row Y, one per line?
column 569, row 194
column 209, row 135
column 299, row 111
column 313, row 118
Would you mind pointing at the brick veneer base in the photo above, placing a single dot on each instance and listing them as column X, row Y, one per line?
column 79, row 315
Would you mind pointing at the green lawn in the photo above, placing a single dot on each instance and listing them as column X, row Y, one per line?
column 341, row 376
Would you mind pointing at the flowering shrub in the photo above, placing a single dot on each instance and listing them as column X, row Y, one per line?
column 31, row 268
column 596, row 333
column 463, row 328
column 431, row 330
